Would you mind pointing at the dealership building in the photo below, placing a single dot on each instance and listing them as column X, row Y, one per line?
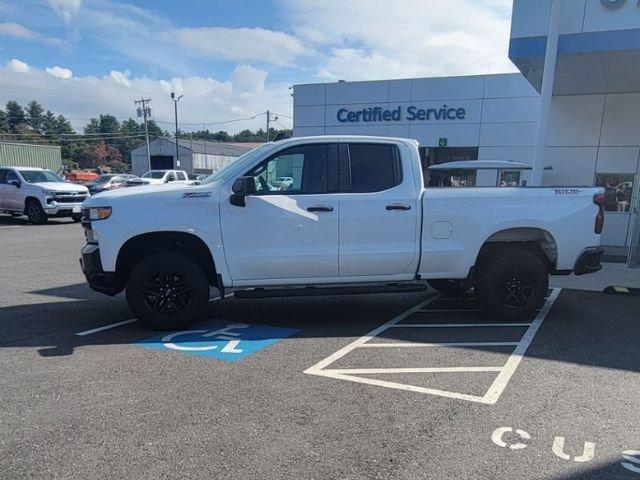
column 591, row 118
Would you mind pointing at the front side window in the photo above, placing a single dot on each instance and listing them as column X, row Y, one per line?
column 374, row 168
column 298, row 170
column 39, row 176
column 155, row 174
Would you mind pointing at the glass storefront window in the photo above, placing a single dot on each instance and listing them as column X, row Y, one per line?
column 452, row 178
column 618, row 190
column 509, row 178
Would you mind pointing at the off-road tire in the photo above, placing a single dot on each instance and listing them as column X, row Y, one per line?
column 35, row 213
column 512, row 283
column 168, row 291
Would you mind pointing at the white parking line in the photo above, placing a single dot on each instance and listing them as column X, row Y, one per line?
column 451, row 310
column 106, row 327
column 441, row 344
column 127, row 322
column 457, row 325
column 490, row 397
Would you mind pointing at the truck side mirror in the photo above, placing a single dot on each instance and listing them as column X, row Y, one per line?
column 15, row 183
column 242, row 187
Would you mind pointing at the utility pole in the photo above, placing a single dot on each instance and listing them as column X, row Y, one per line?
column 175, row 105
column 269, row 121
column 145, row 112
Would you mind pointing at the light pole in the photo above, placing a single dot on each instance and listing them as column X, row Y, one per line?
column 175, row 106
column 145, row 112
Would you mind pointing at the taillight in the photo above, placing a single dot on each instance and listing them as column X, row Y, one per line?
column 598, row 199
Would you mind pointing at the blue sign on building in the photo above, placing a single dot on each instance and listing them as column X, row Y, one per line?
column 224, row 341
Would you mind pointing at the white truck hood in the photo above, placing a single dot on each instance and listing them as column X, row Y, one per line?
column 145, row 192
column 61, row 186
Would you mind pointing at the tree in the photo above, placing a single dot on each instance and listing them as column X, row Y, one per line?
column 99, row 154
column 49, row 123
column 35, row 116
column 15, row 116
column 4, row 127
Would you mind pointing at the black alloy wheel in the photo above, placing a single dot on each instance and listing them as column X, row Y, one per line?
column 167, row 292
column 35, row 213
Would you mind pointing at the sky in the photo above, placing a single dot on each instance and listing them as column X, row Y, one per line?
column 233, row 59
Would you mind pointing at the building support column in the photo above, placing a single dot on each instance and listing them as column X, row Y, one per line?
column 550, row 59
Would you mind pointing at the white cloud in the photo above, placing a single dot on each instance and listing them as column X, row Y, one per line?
column 242, row 44
column 243, row 94
column 121, row 77
column 16, row 30
column 404, row 39
column 66, row 9
column 18, row 66
column 246, row 79
column 59, row 72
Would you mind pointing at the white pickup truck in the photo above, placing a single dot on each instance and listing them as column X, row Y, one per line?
column 39, row 194
column 159, row 177
column 356, row 218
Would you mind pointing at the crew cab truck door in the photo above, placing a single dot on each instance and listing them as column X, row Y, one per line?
column 3, row 189
column 12, row 195
column 286, row 231
column 379, row 211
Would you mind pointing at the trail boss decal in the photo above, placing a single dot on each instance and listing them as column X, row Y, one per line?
column 196, row 194
column 567, row 191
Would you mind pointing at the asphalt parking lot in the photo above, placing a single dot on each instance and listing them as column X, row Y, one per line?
column 412, row 386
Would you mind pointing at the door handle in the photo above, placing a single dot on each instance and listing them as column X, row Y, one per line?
column 320, row 208
column 398, row 206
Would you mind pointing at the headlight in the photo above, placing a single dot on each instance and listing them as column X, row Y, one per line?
column 98, row 213
column 50, row 193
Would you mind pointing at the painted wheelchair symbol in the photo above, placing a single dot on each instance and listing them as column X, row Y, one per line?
column 225, row 334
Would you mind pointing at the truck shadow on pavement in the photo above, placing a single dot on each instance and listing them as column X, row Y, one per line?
column 582, row 328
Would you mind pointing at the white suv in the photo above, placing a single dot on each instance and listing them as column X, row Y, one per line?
column 39, row 194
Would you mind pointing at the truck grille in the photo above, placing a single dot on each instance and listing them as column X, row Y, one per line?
column 69, row 197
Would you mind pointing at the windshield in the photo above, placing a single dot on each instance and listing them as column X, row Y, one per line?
column 154, row 174
column 39, row 176
column 101, row 179
column 245, row 158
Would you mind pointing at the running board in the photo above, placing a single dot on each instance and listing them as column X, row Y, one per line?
column 325, row 291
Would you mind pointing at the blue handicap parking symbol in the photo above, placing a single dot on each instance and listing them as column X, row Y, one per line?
column 224, row 341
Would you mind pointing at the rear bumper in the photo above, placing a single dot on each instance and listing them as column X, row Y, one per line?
column 100, row 281
column 589, row 261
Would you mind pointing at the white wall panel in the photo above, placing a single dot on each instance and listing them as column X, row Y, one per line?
column 312, row 94
column 508, row 85
column 571, row 165
column 531, row 17
column 400, row 90
column 516, row 154
column 508, row 134
column 307, row 131
column 401, row 131
column 457, row 135
column 376, row 130
column 357, row 92
column 618, row 159
column 575, row 120
column 598, row 18
column 502, row 110
column 309, row 116
column 621, row 126
column 452, row 88
column 616, row 227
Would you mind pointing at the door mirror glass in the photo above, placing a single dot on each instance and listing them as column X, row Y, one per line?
column 242, row 187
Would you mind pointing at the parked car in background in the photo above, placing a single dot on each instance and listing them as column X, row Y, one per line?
column 196, row 178
column 109, row 182
column 39, row 194
column 158, row 177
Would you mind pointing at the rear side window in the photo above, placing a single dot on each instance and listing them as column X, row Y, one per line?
column 181, row 176
column 374, row 167
column 2, row 175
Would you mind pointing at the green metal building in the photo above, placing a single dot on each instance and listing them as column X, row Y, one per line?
column 29, row 155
